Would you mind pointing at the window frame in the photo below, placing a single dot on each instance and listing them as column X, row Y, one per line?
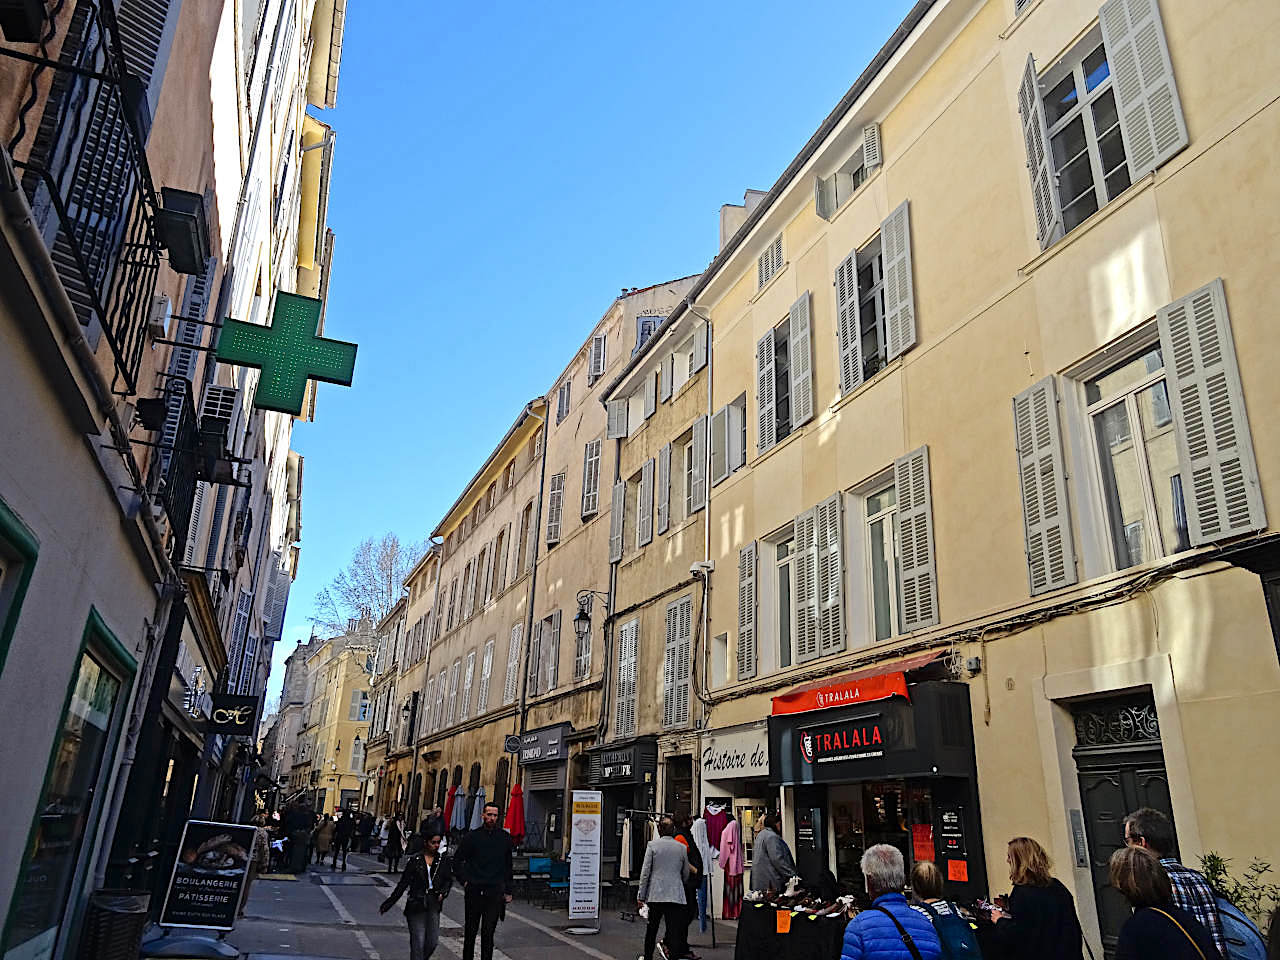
column 871, row 255
column 881, row 483
column 785, row 536
column 19, row 549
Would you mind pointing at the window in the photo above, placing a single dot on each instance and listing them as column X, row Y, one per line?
column 454, row 672
column 486, row 671
column 468, row 590
column 645, row 326
column 644, row 505
column 555, row 508
column 784, row 378
column 832, row 192
column 728, row 439
column 549, row 652
column 785, row 584
column 617, row 521
column 624, row 718
column 359, row 705
column 691, row 453
column 492, row 498
column 769, row 262
column 442, row 693
column 882, row 561
column 597, row 359
column 453, row 604
column 525, row 555
column 871, row 331
column 1133, row 428
column 535, row 445
column 677, row 663
column 501, row 546
column 562, row 400
column 509, row 476
column 466, row 685
column 512, row 680
column 591, row 478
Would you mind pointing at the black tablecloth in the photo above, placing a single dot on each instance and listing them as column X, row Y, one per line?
column 811, row 938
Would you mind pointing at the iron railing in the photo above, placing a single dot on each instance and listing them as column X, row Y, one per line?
column 79, row 142
column 174, row 467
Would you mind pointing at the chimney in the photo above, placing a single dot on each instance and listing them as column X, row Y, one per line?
column 734, row 215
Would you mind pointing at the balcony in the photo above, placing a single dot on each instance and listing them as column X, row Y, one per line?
column 174, row 469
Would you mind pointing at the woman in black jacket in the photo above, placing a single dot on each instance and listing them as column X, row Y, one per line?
column 427, row 877
column 1157, row 930
column 1041, row 922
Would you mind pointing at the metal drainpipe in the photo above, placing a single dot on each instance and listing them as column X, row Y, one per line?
column 602, row 725
column 706, row 511
column 535, row 531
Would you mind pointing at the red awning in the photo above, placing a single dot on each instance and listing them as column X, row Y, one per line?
column 861, row 686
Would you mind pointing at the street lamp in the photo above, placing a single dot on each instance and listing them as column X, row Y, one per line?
column 582, row 620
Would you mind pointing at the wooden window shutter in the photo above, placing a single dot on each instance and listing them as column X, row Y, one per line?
column 555, row 508
column 1042, row 476
column 698, row 485
column 668, row 377
column 197, row 510
column 871, row 157
column 533, row 665
column 899, row 289
column 591, row 478
column 698, row 359
column 848, row 328
column 830, row 575
column 628, row 647
column 551, row 650
column 1142, row 77
column 503, row 560
column 650, row 394
column 801, row 362
column 466, row 685
column 488, row 574
column 806, row 591
column 511, row 680
column 824, row 196
column 737, row 437
column 486, row 671
column 1019, row 5
column 670, row 656
column 918, row 589
column 664, row 488
column 1215, row 451
column 684, row 661
column 747, row 611
column 766, row 414
column 617, row 417
column 644, row 511
column 618, row 509
column 719, row 445
column 1035, row 134
column 597, row 360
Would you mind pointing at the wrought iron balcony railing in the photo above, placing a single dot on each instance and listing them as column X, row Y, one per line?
column 175, row 467
column 79, row 142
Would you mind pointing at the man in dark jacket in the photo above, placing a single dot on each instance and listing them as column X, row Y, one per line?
column 483, row 863
column 298, row 824
column 890, row 930
column 363, row 829
column 342, row 835
column 685, row 836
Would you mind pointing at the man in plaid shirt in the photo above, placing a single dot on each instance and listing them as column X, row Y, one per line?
column 1152, row 829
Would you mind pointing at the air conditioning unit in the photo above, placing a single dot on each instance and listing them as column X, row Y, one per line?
column 158, row 318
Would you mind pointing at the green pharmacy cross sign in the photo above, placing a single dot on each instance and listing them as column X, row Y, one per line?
column 289, row 353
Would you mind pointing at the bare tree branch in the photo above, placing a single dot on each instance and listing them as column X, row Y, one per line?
column 369, row 585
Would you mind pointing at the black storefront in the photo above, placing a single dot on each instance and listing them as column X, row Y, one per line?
column 544, row 757
column 899, row 770
column 626, row 774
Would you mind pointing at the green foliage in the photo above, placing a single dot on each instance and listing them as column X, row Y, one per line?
column 1254, row 893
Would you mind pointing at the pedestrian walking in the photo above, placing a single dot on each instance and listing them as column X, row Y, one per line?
column 662, row 891
column 427, row 878
column 1152, row 830
column 684, row 836
column 342, row 834
column 433, row 822
column 259, row 858
column 392, row 844
column 955, row 933
column 298, row 824
column 363, row 831
column 323, row 838
column 1157, row 930
column 772, row 864
column 482, row 862
column 890, row 929
column 1041, row 922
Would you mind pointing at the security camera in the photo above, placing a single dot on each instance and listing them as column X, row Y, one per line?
column 701, row 568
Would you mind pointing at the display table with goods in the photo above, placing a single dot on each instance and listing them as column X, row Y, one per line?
column 796, row 927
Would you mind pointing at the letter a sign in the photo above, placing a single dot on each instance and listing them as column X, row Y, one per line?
column 289, row 353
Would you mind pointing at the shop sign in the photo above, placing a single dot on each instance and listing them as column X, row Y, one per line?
column 547, row 744
column 858, row 739
column 736, row 755
column 584, row 863
column 843, row 693
column 208, row 876
column 233, row 715
column 618, row 765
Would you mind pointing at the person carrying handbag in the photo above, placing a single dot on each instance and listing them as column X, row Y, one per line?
column 427, row 878
column 1157, row 930
column 890, row 930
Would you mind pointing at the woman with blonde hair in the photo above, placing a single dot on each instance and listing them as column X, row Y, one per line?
column 1041, row 922
column 1157, row 930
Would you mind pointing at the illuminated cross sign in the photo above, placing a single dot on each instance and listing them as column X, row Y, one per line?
column 289, row 353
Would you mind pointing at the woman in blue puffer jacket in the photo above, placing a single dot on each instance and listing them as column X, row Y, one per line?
column 883, row 932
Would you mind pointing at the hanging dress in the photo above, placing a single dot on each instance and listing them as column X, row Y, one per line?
column 731, row 862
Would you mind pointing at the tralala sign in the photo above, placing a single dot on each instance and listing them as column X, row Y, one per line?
column 855, row 741
column 845, row 744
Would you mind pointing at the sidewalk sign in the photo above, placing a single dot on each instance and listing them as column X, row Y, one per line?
column 208, row 876
column 584, row 869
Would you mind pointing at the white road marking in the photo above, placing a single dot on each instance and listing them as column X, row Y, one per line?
column 345, row 916
column 455, row 947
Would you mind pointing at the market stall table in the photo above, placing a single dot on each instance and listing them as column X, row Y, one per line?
column 806, row 937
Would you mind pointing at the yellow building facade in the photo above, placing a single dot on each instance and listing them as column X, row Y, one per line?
column 336, row 719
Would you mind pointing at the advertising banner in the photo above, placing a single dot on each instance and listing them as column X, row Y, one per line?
column 233, row 715
column 208, row 876
column 842, row 693
column 584, row 869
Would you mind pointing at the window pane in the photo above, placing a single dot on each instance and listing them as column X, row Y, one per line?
column 784, row 615
column 884, row 581
column 1096, row 68
column 882, row 499
column 1122, row 483
column 1075, row 174
column 1061, row 100
column 1124, row 375
column 1162, row 464
column 65, row 808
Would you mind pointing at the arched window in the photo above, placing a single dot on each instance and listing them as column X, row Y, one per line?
column 457, row 775
column 473, row 784
column 442, row 787
column 500, row 785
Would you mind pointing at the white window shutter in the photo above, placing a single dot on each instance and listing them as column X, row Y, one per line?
column 1035, row 134
column 719, row 445
column 899, row 288
column 871, row 157
column 512, row 679
column 669, row 658
column 668, row 377
column 918, row 589
column 824, row 196
column 650, row 394
column 617, row 417
column 698, row 359
column 806, row 592
column 193, row 528
column 830, row 575
column 663, row 492
column 453, row 693
column 801, row 362
column 591, row 478
column 1215, row 451
column 618, row 510
column 1142, row 77
column 848, row 329
column 555, row 508
column 698, row 491
column 644, row 511
column 533, row 665
column 766, row 414
column 486, row 671
column 737, row 438
column 487, row 592
column 684, row 661
column 551, row 650
column 597, row 360
column 628, row 646
column 1042, row 476
column 1019, row 5
column 502, row 561
column 747, row 611
column 466, row 685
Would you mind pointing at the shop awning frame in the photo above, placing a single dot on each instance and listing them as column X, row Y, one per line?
column 861, row 686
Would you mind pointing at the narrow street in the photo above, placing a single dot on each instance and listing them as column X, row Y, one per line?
column 325, row 915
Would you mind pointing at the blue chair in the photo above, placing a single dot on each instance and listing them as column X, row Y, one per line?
column 539, row 875
column 557, row 887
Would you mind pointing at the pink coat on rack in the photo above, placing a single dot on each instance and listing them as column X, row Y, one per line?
column 731, row 853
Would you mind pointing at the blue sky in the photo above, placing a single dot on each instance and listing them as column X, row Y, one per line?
column 502, row 171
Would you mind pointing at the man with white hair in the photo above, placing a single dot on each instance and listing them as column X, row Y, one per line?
column 890, row 930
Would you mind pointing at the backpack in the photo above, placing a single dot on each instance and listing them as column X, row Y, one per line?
column 955, row 933
column 1244, row 941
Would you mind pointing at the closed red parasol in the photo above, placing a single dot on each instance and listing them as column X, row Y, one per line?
column 448, row 805
column 514, row 822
